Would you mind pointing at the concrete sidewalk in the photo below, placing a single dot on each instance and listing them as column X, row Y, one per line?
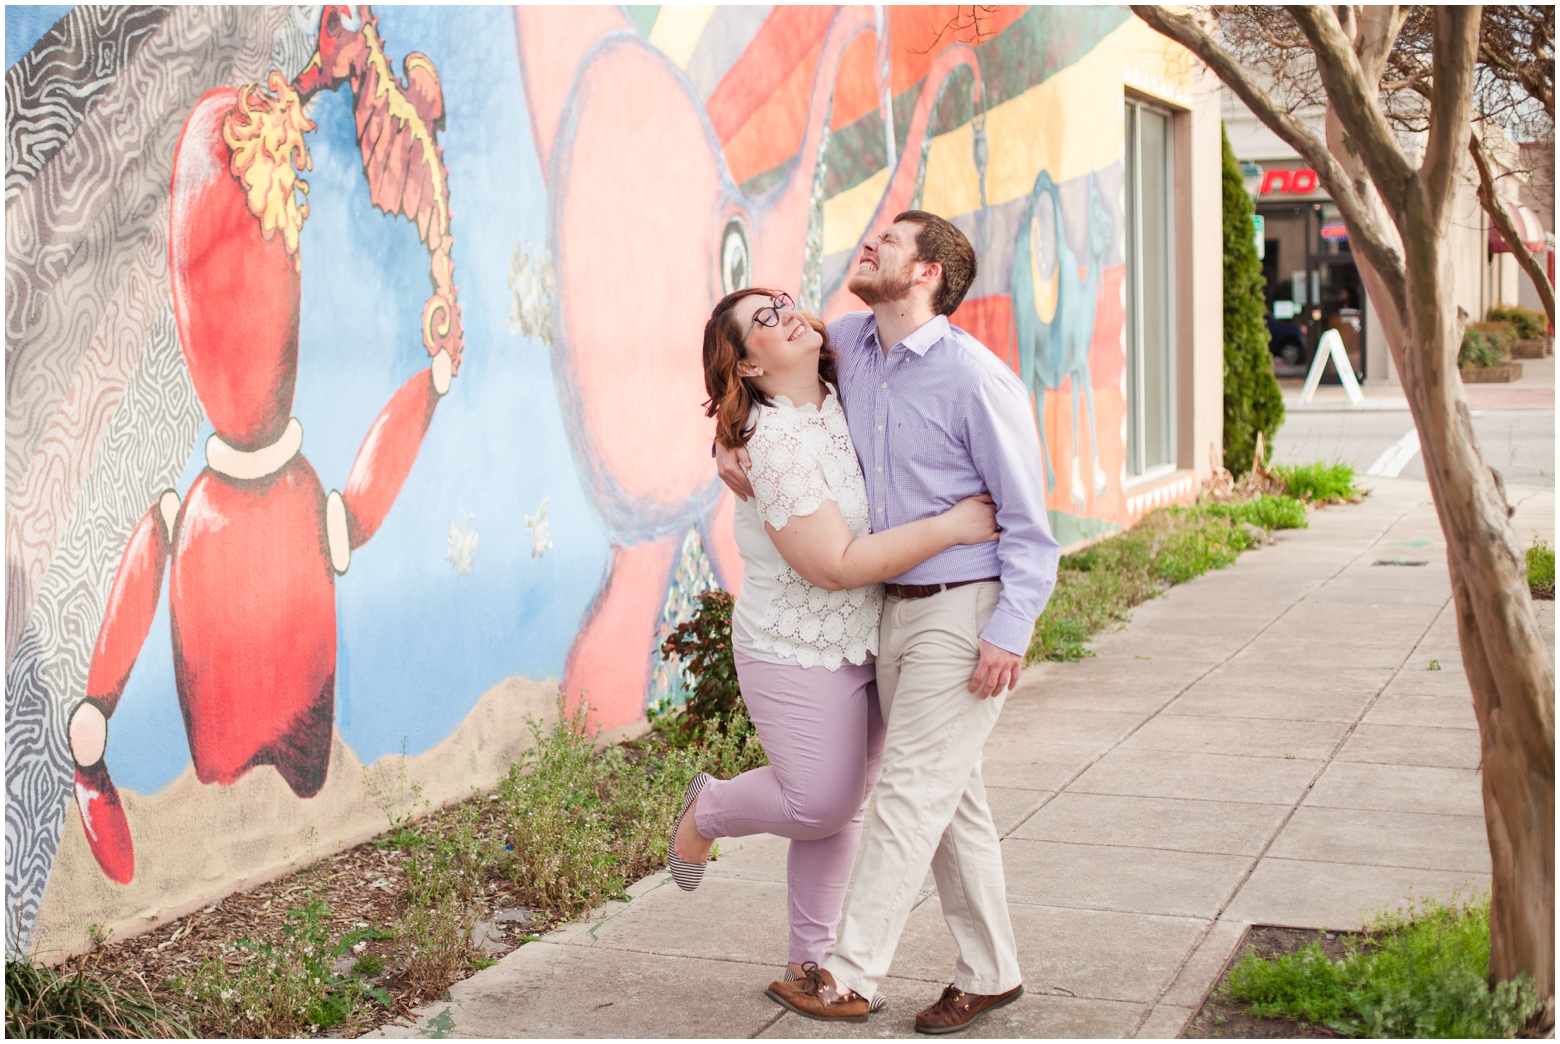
column 1266, row 744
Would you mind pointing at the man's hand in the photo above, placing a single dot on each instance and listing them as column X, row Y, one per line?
column 997, row 669
column 731, row 466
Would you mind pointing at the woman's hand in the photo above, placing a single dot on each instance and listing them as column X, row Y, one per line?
column 973, row 520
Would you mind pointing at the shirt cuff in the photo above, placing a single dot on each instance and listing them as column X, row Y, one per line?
column 1009, row 632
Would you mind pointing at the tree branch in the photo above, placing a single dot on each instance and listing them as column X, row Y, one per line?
column 1501, row 218
column 1454, row 50
column 1354, row 98
column 1364, row 235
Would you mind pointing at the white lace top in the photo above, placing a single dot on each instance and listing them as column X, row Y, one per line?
column 801, row 457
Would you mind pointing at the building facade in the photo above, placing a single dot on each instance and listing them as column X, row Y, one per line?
column 311, row 489
column 1312, row 282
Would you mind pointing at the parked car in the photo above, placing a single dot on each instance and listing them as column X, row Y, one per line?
column 1289, row 340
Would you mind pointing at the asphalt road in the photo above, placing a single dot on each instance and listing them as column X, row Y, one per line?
column 1518, row 443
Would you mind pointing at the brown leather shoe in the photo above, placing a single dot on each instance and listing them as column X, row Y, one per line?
column 816, row 996
column 955, row 1009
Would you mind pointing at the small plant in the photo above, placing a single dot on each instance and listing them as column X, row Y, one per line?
column 1484, row 344
column 283, row 988
column 45, row 1002
column 702, row 644
column 398, row 796
column 1541, row 569
column 434, row 944
column 1421, row 974
column 1435, row 665
column 1319, row 483
column 1526, row 323
column 1266, row 511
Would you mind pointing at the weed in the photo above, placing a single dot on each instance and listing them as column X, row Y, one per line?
column 1265, row 511
column 1319, row 483
column 434, row 944
column 283, row 988
column 44, row 1002
column 369, row 965
column 1541, row 569
column 1421, row 974
column 398, row 796
column 1435, row 665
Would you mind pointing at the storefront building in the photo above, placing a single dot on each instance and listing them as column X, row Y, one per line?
column 1313, row 284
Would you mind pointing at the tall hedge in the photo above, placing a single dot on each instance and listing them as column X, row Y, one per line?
column 1252, row 401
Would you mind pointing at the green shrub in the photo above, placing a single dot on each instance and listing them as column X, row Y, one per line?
column 1481, row 348
column 282, row 988
column 43, row 1002
column 1421, row 975
column 1541, row 569
column 1318, row 483
column 1252, row 400
column 1526, row 323
column 702, row 645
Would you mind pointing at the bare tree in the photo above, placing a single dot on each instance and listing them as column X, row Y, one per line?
column 1398, row 215
column 1513, row 91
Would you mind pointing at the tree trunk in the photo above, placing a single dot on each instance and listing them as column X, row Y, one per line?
column 1508, row 665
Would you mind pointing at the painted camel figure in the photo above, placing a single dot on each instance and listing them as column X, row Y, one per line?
column 1054, row 302
column 254, row 548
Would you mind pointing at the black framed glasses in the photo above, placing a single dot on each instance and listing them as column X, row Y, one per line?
column 769, row 315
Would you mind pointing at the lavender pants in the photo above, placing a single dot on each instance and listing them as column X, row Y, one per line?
column 823, row 733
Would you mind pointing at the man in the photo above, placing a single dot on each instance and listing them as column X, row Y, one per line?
column 935, row 417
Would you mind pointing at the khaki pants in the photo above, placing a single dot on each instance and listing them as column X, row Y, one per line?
column 931, row 805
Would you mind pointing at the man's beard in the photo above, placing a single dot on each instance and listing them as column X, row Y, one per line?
column 888, row 286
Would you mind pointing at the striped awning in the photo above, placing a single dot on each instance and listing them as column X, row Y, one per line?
column 1528, row 227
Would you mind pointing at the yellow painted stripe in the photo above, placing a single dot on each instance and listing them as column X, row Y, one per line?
column 677, row 30
column 846, row 215
column 1070, row 125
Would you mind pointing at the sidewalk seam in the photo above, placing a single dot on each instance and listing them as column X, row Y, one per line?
column 1251, row 868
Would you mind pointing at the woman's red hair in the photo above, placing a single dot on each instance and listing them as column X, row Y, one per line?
column 731, row 398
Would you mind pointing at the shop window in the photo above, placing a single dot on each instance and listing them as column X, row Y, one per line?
column 1150, row 290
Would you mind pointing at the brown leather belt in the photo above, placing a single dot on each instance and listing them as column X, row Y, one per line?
column 927, row 590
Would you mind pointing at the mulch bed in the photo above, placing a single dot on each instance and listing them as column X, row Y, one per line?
column 1220, row 1017
column 363, row 885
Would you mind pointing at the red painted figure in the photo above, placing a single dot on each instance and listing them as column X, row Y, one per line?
column 257, row 543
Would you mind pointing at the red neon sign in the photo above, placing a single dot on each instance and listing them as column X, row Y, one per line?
column 1295, row 182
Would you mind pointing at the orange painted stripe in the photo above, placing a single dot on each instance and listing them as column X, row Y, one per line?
column 855, row 89
column 915, row 28
column 774, row 133
column 787, row 36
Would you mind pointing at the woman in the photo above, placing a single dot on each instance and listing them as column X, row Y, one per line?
column 805, row 626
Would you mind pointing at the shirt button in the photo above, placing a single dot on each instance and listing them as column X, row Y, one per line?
column 880, row 427
column 885, row 384
column 880, row 471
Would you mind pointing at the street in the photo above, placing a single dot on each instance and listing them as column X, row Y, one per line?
column 1519, row 443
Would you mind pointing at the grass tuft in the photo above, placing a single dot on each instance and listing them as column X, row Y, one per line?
column 1541, row 569
column 1423, row 974
column 43, row 1002
column 1319, row 483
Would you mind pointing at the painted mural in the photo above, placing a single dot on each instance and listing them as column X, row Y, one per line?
column 353, row 388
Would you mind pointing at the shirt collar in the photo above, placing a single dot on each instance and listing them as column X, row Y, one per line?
column 924, row 336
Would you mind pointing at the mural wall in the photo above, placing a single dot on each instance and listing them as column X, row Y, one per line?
column 352, row 374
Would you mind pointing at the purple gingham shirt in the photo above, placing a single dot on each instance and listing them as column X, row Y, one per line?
column 938, row 420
